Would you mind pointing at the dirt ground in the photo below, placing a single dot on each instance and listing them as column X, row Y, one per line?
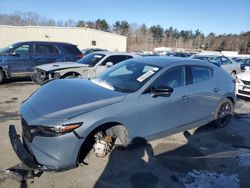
column 198, row 157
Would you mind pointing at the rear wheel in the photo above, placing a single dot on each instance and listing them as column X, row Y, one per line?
column 1, row 76
column 223, row 113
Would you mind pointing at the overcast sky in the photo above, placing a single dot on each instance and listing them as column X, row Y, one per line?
column 218, row 16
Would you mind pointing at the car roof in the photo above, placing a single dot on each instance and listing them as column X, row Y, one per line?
column 44, row 42
column 164, row 61
column 113, row 53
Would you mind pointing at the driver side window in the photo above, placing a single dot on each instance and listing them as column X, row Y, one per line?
column 173, row 78
column 24, row 49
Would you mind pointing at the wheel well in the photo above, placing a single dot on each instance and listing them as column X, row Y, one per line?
column 3, row 71
column 231, row 99
column 70, row 74
column 234, row 71
column 89, row 141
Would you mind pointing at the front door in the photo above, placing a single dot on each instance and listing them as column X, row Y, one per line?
column 20, row 62
column 163, row 113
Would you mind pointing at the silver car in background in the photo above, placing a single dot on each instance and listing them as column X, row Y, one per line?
column 227, row 64
column 147, row 97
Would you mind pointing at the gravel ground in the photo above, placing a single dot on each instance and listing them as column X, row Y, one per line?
column 188, row 159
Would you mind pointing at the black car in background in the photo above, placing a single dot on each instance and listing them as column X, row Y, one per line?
column 19, row 59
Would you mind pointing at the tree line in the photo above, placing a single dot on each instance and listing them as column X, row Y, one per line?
column 142, row 37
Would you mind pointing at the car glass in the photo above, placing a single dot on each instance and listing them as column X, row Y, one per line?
column 225, row 61
column 91, row 59
column 201, row 73
column 174, row 78
column 215, row 59
column 71, row 49
column 128, row 76
column 23, row 49
column 46, row 49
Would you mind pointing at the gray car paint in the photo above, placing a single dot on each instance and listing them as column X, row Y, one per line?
column 142, row 115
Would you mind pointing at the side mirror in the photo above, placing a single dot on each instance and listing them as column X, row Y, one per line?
column 109, row 64
column 163, row 91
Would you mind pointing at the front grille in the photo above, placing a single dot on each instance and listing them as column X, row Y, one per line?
column 246, row 82
column 26, row 130
column 244, row 92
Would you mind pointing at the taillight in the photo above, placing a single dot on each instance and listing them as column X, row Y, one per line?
column 80, row 55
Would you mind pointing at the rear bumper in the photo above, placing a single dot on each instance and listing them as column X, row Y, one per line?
column 22, row 152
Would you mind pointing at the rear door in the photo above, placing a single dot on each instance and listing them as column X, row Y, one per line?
column 203, row 92
column 20, row 62
column 45, row 53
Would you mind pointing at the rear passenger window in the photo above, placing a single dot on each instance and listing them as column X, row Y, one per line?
column 201, row 74
column 72, row 50
column 46, row 49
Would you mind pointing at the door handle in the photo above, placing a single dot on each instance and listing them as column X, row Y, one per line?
column 215, row 90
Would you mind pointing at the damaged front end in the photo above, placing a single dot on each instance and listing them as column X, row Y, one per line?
column 41, row 77
column 33, row 168
column 21, row 150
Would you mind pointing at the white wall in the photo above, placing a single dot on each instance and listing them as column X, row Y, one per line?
column 82, row 37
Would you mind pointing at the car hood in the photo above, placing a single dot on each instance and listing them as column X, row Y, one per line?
column 60, row 65
column 244, row 75
column 64, row 99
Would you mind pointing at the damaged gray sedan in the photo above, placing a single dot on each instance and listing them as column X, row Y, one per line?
column 144, row 98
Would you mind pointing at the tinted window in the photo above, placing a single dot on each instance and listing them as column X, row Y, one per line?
column 71, row 49
column 173, row 78
column 46, row 49
column 201, row 73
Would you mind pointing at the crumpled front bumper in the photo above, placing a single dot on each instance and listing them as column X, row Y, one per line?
column 21, row 150
column 41, row 78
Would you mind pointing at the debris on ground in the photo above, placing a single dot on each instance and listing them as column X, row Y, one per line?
column 207, row 179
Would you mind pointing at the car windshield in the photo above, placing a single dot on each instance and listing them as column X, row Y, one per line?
column 127, row 76
column 91, row 59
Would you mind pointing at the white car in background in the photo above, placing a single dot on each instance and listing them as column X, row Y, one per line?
column 87, row 67
column 243, row 84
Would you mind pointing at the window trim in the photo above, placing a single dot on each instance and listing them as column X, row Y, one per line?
column 211, row 74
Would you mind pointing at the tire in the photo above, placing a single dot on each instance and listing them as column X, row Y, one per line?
column 223, row 113
column 1, row 76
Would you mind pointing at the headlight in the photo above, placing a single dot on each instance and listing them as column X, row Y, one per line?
column 238, row 81
column 50, row 131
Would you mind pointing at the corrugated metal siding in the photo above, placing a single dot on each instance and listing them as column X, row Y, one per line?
column 82, row 37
